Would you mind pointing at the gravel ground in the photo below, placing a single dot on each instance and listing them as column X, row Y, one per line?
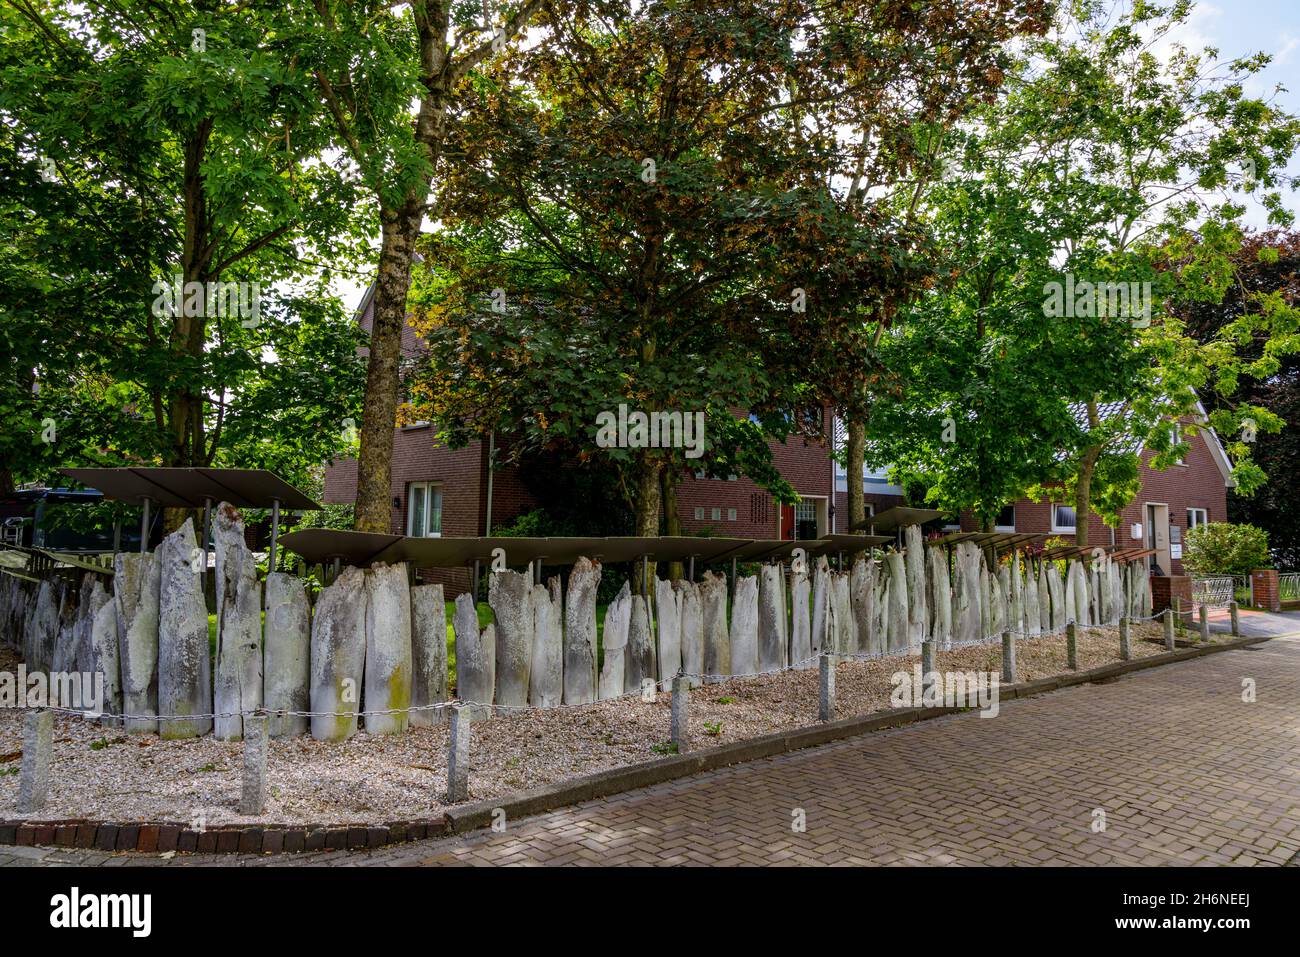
column 100, row 774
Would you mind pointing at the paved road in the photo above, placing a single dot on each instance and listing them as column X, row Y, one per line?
column 1178, row 768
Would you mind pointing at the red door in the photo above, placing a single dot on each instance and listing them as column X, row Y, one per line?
column 787, row 522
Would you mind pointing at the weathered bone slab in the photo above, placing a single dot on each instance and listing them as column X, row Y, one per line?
column 476, row 658
column 287, row 658
column 580, row 633
column 692, row 631
column 801, row 652
column 105, row 646
column 136, row 584
column 338, row 655
column 428, row 654
column 821, row 613
column 639, row 663
column 1056, row 589
column 510, row 597
column 843, row 627
column 967, row 624
column 238, row 682
column 899, row 632
column 941, row 596
column 744, row 626
column 184, row 665
column 918, row 613
column 862, row 598
column 773, row 635
column 717, row 642
column 388, row 649
column 618, row 620
column 668, row 615
column 546, row 680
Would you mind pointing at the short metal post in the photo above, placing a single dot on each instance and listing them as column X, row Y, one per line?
column 680, row 730
column 252, row 799
column 458, row 754
column 1008, row 658
column 1072, row 645
column 1125, row 645
column 826, row 699
column 34, row 775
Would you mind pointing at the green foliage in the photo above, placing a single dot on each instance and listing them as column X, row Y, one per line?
column 1104, row 163
column 330, row 516
column 1221, row 548
column 138, row 155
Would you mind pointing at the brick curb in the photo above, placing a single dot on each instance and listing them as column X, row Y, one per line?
column 263, row 839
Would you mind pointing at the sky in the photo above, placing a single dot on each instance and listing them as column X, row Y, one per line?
column 1236, row 29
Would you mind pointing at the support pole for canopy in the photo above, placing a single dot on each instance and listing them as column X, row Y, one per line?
column 275, row 534
column 690, row 569
column 117, row 535
column 537, row 570
column 645, row 580
column 144, row 525
column 207, row 536
column 474, row 583
column 338, row 562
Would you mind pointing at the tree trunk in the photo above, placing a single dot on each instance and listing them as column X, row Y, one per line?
column 383, row 379
column 1083, row 494
column 1083, row 486
column 855, row 456
column 646, row 508
column 672, row 520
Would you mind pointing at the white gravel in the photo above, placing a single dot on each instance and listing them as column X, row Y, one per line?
column 100, row 774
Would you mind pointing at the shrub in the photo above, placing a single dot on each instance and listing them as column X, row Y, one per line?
column 1221, row 548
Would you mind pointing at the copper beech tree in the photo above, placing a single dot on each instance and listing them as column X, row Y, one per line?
column 647, row 211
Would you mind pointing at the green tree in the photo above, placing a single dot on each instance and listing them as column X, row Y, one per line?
column 1102, row 164
column 155, row 145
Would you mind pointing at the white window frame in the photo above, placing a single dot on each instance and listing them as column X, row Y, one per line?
column 699, row 513
column 427, row 490
column 1202, row 520
column 1064, row 529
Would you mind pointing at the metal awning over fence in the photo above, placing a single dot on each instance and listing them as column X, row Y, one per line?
column 197, row 488
column 323, row 546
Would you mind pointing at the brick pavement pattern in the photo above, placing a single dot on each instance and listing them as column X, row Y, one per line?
column 1183, row 769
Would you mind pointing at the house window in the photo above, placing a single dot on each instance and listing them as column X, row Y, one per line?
column 1006, row 519
column 805, row 520
column 424, row 510
column 699, row 514
column 731, row 514
column 1063, row 518
column 716, row 514
column 1196, row 516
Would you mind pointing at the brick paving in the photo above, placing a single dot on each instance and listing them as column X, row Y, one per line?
column 1182, row 769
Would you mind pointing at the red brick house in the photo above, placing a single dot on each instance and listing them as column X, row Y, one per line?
column 442, row 491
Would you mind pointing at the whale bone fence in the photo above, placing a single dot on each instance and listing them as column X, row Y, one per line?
column 371, row 651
